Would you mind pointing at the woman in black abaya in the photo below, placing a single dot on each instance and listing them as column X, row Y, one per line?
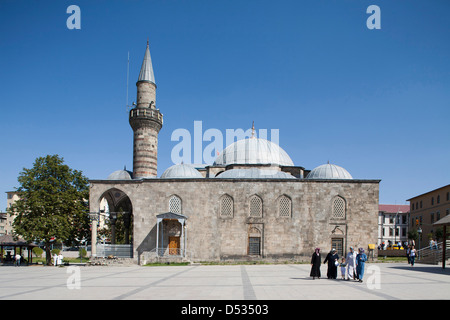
column 315, row 264
column 331, row 258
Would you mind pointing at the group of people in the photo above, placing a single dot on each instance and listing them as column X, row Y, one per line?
column 352, row 266
column 433, row 244
column 57, row 259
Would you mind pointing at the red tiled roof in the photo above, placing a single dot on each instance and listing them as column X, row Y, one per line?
column 393, row 208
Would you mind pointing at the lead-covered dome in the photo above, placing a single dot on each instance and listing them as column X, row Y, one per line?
column 329, row 171
column 254, row 151
column 181, row 171
column 120, row 175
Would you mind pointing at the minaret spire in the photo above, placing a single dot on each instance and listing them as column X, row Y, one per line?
column 146, row 121
column 146, row 73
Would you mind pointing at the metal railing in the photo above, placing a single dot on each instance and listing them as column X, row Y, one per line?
column 116, row 250
column 433, row 253
column 146, row 113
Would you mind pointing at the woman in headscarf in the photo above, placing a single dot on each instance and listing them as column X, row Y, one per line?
column 331, row 258
column 315, row 264
column 351, row 264
column 361, row 259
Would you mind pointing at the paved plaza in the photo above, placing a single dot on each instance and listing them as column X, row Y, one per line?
column 385, row 281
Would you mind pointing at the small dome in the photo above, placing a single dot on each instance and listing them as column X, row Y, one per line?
column 120, row 175
column 181, row 171
column 329, row 171
column 253, row 151
column 255, row 173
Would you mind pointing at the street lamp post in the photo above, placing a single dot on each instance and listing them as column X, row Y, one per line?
column 419, row 231
column 395, row 229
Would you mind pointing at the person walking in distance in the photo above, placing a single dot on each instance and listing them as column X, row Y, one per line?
column 361, row 259
column 332, row 258
column 315, row 264
column 412, row 255
column 17, row 258
column 351, row 264
column 408, row 253
column 343, row 264
column 60, row 259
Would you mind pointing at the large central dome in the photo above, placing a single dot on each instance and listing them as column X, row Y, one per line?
column 254, row 151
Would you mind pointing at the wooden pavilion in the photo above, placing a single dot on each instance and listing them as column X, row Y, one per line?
column 8, row 241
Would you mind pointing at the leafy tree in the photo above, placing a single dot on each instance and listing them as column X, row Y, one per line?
column 413, row 234
column 439, row 233
column 53, row 203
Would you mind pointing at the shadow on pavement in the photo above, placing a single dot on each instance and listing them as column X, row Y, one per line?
column 424, row 268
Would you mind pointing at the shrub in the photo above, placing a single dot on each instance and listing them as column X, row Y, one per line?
column 38, row 252
column 82, row 253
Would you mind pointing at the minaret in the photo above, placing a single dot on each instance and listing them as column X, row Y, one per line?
column 146, row 122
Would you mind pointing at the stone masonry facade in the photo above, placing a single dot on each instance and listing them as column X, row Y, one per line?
column 307, row 221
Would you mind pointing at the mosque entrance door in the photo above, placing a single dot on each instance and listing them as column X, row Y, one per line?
column 171, row 234
column 174, row 245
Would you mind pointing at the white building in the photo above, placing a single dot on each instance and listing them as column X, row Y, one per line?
column 392, row 223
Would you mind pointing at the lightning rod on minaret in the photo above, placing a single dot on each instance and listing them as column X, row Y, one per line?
column 128, row 71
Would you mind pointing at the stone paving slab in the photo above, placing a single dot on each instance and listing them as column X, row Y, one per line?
column 383, row 281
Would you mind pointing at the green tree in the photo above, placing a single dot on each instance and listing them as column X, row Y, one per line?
column 413, row 235
column 439, row 233
column 53, row 203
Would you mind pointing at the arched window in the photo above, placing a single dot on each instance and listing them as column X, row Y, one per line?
column 338, row 210
column 226, row 206
column 175, row 204
column 255, row 206
column 284, row 207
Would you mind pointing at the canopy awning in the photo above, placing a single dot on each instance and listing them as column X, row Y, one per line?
column 171, row 215
column 444, row 221
column 8, row 240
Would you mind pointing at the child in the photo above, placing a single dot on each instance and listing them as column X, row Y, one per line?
column 343, row 265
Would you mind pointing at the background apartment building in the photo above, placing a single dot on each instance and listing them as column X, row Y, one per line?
column 426, row 209
column 393, row 224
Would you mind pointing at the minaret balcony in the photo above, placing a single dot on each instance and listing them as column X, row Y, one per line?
column 142, row 116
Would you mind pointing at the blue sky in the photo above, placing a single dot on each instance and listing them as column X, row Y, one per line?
column 376, row 102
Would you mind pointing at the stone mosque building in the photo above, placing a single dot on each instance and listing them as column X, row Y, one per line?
column 253, row 202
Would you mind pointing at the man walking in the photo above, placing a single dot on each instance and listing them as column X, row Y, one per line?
column 17, row 262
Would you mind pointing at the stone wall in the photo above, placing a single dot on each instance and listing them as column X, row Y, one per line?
column 212, row 237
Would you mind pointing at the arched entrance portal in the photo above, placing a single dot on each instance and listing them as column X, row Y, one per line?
column 115, row 224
